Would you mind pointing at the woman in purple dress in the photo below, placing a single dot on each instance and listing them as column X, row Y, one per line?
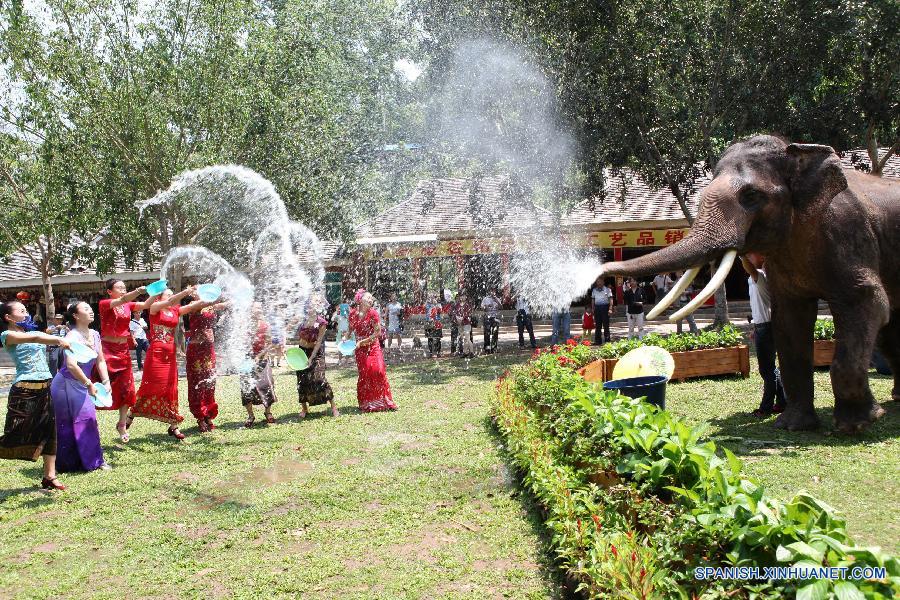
column 77, row 435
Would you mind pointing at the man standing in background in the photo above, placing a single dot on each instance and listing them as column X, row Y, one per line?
column 523, row 321
column 773, row 400
column 138, row 328
column 602, row 298
column 634, row 301
column 54, row 353
column 491, row 307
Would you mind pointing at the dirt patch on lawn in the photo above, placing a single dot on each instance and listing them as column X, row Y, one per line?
column 186, row 477
column 194, row 532
column 503, row 565
column 414, row 446
column 423, row 544
column 239, row 490
column 436, row 405
column 358, row 563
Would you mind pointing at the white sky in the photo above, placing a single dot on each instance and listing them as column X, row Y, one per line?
column 407, row 68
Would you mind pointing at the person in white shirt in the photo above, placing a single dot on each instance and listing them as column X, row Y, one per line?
column 523, row 321
column 55, row 355
column 138, row 329
column 491, row 307
column 683, row 299
column 662, row 283
column 602, row 297
column 773, row 400
column 394, row 313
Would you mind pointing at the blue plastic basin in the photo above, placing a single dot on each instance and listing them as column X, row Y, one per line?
column 652, row 387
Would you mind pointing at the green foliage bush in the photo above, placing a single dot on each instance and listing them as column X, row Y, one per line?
column 824, row 329
column 636, row 500
column 726, row 337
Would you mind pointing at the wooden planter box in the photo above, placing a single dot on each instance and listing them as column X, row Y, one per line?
column 823, row 353
column 688, row 365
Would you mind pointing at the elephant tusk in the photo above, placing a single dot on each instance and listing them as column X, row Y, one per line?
column 717, row 280
column 674, row 293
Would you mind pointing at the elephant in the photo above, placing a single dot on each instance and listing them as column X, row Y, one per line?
column 827, row 233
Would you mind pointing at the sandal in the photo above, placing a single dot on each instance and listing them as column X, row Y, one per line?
column 249, row 422
column 175, row 433
column 210, row 424
column 202, row 426
column 270, row 418
column 52, row 483
column 122, row 429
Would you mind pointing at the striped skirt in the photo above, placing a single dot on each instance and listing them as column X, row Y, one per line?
column 30, row 428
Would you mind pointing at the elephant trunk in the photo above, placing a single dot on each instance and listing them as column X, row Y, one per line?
column 693, row 251
column 718, row 229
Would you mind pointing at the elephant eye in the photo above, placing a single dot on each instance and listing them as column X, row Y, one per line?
column 752, row 199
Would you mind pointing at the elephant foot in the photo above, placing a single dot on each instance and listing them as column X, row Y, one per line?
column 797, row 420
column 853, row 424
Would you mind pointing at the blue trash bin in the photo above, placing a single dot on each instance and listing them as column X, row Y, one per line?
column 651, row 386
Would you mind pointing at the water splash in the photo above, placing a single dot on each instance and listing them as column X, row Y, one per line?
column 242, row 240
column 552, row 277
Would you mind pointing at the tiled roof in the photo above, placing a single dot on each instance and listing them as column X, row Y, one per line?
column 442, row 207
column 17, row 270
column 628, row 198
column 859, row 159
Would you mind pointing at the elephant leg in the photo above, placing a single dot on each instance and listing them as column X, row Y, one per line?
column 889, row 345
column 856, row 328
column 793, row 323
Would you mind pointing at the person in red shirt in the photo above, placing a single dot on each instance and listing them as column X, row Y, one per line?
column 258, row 386
column 463, row 316
column 157, row 397
column 373, row 392
column 115, row 317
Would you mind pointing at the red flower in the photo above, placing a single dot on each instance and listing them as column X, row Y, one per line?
column 614, row 551
column 596, row 521
column 571, row 342
column 633, row 556
column 643, row 574
column 586, row 343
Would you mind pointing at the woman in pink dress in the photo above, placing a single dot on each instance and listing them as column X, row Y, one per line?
column 115, row 316
column 157, row 397
column 373, row 392
column 200, row 365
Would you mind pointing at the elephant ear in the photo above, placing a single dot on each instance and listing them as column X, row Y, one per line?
column 818, row 174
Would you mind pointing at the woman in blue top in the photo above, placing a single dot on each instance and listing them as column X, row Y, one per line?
column 30, row 429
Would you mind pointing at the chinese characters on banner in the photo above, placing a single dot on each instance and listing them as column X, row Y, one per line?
column 642, row 238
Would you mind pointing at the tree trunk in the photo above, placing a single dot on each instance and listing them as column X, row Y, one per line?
column 49, row 300
column 872, row 149
column 721, row 318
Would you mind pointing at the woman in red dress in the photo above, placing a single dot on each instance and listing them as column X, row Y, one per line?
column 115, row 315
column 201, row 367
column 373, row 392
column 157, row 397
column 258, row 383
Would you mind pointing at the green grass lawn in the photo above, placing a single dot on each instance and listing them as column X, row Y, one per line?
column 412, row 504
column 859, row 476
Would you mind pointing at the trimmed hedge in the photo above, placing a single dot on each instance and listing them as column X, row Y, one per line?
column 636, row 499
column 726, row 337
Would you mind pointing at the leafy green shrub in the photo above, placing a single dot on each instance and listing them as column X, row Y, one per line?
column 824, row 329
column 636, row 499
column 726, row 337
